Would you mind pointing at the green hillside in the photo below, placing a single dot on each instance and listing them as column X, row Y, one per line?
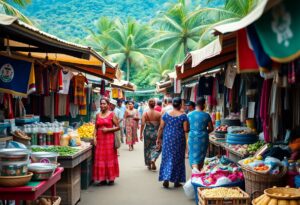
column 69, row 19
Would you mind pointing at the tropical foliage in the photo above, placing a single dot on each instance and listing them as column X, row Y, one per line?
column 11, row 10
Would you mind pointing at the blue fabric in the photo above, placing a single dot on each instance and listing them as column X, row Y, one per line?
column 173, row 149
column 14, row 76
column 198, row 136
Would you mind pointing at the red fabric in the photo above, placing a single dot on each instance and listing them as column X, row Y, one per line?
column 158, row 108
column 106, row 166
column 245, row 56
column 264, row 107
column 8, row 105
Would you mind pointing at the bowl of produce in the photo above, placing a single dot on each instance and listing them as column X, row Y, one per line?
column 44, row 157
column 262, row 168
column 13, row 168
column 15, row 181
column 14, row 155
column 42, row 171
column 283, row 192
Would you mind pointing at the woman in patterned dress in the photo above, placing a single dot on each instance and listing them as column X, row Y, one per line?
column 106, row 166
column 171, row 136
column 200, row 126
column 131, row 125
column 149, row 129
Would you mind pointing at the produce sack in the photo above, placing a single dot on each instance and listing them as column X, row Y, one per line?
column 189, row 189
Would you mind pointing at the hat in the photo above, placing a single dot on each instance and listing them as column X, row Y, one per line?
column 114, row 102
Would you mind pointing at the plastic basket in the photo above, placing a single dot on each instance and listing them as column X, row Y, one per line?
column 240, row 184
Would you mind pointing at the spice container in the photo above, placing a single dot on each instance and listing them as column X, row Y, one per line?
column 13, row 155
column 14, row 168
column 44, row 157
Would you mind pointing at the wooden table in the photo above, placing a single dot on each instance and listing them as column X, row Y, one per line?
column 216, row 146
column 32, row 190
column 69, row 187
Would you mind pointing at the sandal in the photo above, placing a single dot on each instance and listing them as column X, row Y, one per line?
column 166, row 184
column 102, row 183
column 153, row 166
column 177, row 185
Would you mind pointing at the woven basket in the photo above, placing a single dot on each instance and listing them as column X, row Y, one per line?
column 256, row 183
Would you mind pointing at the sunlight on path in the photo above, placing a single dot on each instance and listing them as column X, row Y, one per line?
column 136, row 185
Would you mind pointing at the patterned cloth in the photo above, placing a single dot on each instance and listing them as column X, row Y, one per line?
column 198, row 136
column 131, row 126
column 106, row 166
column 173, row 149
column 150, row 137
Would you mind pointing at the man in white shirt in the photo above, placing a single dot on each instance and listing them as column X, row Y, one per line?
column 169, row 106
column 122, row 108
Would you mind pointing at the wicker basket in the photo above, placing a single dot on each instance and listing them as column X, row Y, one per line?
column 256, row 183
column 14, row 181
column 55, row 200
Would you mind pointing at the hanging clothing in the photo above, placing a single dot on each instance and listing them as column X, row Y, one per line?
column 106, row 165
column 62, row 105
column 264, row 108
column 102, row 89
column 131, row 126
column 198, row 136
column 173, row 149
column 115, row 93
column 275, row 110
column 55, row 77
column 205, row 86
column 150, row 136
column 66, row 79
column 38, row 69
column 74, row 110
column 79, row 93
column 8, row 106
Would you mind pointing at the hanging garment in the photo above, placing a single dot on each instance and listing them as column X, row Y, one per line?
column 246, row 61
column 74, row 110
column 38, row 69
column 275, row 110
column 205, row 86
column 62, row 105
column 115, row 93
column 47, row 106
column 264, row 108
column 230, row 76
column 102, row 90
column 66, row 79
column 8, row 106
column 212, row 99
column 19, row 108
column 55, row 79
column 79, row 93
column 279, row 32
column 31, row 83
column 14, row 76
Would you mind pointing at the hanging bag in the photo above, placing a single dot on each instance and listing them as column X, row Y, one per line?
column 117, row 142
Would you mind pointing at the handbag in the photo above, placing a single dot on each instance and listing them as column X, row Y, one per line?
column 117, row 143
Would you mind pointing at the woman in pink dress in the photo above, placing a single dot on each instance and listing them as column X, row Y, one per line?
column 106, row 166
column 131, row 124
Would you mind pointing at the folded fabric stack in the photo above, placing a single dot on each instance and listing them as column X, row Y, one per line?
column 218, row 172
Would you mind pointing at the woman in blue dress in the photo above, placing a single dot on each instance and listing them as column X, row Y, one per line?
column 174, row 125
column 200, row 126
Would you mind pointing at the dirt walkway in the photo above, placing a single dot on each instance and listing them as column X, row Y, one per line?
column 136, row 185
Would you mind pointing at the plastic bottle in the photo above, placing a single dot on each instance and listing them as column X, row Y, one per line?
column 42, row 135
column 49, row 134
column 285, row 162
column 34, row 133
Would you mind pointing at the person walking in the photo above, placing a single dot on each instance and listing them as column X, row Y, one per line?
column 200, row 126
column 149, row 129
column 131, row 125
column 106, row 166
column 122, row 109
column 118, row 114
column 168, row 106
column 158, row 106
column 171, row 137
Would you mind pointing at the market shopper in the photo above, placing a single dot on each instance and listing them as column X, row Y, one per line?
column 131, row 125
column 121, row 106
column 171, row 137
column 106, row 166
column 158, row 106
column 149, row 129
column 118, row 114
column 200, row 126
column 168, row 106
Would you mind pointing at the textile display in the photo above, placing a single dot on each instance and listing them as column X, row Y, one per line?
column 279, row 31
column 66, row 78
column 230, row 76
column 205, row 86
column 246, row 61
column 14, row 76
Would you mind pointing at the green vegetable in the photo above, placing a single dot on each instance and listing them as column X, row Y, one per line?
column 61, row 150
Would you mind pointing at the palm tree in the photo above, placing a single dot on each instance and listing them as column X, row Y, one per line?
column 177, row 33
column 10, row 10
column 152, row 74
column 127, row 44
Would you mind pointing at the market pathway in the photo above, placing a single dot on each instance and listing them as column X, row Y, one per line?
column 135, row 186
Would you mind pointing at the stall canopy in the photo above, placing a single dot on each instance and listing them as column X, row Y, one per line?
column 125, row 85
column 214, row 56
column 21, row 39
column 167, row 82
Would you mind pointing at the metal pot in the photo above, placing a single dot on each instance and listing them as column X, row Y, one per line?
column 44, row 157
column 13, row 168
column 14, row 155
column 42, row 171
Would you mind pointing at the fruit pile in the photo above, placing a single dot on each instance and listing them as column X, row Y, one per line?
column 261, row 168
column 222, row 128
column 242, row 149
column 86, row 130
column 252, row 159
column 253, row 148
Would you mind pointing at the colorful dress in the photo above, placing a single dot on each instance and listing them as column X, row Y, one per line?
column 106, row 166
column 150, row 137
column 173, row 149
column 131, row 126
column 198, row 136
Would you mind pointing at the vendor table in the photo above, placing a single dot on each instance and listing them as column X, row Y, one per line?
column 216, row 146
column 32, row 190
column 69, row 186
column 234, row 155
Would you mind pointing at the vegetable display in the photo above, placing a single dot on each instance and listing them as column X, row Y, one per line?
column 61, row 150
column 252, row 148
column 222, row 192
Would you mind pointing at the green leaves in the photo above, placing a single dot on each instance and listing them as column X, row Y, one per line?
column 10, row 10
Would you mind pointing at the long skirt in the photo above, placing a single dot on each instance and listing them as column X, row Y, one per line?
column 150, row 137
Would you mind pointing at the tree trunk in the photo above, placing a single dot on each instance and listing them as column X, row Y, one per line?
column 128, row 68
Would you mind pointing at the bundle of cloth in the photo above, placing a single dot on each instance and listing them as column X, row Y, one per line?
column 218, row 172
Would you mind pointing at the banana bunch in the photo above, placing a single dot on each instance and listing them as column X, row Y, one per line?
column 86, row 130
